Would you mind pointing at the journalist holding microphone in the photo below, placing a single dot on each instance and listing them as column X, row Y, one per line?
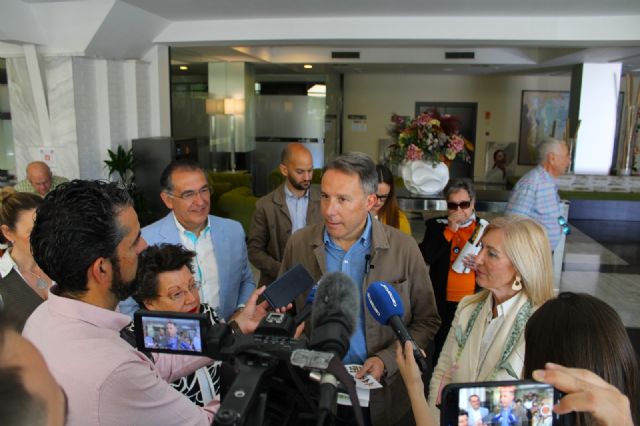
column 350, row 241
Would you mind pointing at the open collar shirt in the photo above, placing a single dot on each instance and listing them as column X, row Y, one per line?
column 297, row 208
column 205, row 266
column 352, row 262
column 106, row 380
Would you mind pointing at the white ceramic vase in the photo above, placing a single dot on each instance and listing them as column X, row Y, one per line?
column 422, row 177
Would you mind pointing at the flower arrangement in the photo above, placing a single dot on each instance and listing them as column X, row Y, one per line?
column 431, row 136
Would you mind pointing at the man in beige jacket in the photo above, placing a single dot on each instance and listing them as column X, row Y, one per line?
column 351, row 242
column 291, row 206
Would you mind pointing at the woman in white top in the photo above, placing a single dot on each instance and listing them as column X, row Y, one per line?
column 23, row 285
column 486, row 339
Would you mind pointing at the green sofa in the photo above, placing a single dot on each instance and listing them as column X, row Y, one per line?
column 232, row 196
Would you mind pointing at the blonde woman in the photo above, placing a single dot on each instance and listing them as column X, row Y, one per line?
column 486, row 340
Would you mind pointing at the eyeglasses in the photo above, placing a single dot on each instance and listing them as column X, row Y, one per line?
column 179, row 295
column 191, row 195
column 462, row 204
column 564, row 225
column 382, row 197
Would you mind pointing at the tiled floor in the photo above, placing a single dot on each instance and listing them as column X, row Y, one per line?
column 603, row 258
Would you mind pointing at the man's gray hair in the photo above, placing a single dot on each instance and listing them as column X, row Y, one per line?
column 359, row 164
column 547, row 146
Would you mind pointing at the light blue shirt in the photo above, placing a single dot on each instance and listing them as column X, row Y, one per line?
column 297, row 208
column 353, row 263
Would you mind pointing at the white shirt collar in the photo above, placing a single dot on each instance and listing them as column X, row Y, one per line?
column 505, row 307
column 183, row 230
column 7, row 264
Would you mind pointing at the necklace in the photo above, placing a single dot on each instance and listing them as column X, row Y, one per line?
column 41, row 283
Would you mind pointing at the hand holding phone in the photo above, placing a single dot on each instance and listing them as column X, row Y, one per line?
column 588, row 392
column 503, row 402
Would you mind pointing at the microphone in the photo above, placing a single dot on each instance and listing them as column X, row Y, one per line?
column 335, row 312
column 385, row 305
column 308, row 306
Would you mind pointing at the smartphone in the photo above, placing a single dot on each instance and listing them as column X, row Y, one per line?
column 170, row 332
column 497, row 403
column 288, row 286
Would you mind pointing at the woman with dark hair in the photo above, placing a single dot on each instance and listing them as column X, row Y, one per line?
column 23, row 285
column 444, row 238
column 386, row 207
column 581, row 331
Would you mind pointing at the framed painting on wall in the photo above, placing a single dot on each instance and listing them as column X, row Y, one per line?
column 543, row 113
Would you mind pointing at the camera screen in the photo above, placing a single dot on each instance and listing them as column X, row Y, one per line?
column 172, row 334
column 508, row 404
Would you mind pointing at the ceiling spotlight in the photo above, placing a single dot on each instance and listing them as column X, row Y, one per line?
column 183, row 67
column 307, row 66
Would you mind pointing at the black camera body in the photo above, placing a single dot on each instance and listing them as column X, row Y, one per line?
column 267, row 389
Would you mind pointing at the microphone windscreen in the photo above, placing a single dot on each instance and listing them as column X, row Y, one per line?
column 383, row 302
column 337, row 294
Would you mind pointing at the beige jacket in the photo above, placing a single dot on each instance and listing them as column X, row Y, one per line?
column 469, row 367
column 395, row 258
column 271, row 228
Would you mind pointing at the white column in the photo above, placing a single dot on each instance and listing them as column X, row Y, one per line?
column 594, row 102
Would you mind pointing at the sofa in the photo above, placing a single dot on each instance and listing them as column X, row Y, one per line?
column 232, row 196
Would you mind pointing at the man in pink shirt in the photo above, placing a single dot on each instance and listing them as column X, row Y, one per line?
column 87, row 239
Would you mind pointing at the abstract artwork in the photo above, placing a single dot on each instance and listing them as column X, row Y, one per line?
column 542, row 114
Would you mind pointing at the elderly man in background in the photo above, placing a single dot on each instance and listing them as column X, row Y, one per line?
column 291, row 206
column 350, row 241
column 536, row 193
column 39, row 179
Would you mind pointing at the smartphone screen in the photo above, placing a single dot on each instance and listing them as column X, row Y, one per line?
column 499, row 403
column 169, row 332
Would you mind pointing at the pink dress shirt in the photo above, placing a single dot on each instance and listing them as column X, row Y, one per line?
column 107, row 381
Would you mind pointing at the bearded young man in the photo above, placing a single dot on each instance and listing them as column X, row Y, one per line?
column 291, row 206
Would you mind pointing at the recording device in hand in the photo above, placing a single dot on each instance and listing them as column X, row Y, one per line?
column 288, row 286
column 501, row 402
column 472, row 246
column 385, row 305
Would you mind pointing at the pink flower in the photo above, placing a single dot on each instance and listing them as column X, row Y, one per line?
column 414, row 153
column 456, row 144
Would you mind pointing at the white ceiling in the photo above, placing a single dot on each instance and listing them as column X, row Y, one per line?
column 404, row 36
column 187, row 10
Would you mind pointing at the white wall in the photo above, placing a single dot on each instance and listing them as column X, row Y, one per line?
column 379, row 95
column 93, row 105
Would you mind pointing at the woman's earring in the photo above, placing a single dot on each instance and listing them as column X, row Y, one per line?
column 517, row 284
